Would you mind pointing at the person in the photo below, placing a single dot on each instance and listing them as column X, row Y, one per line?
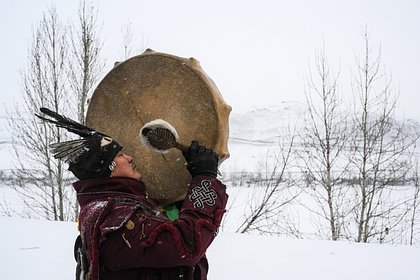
column 123, row 233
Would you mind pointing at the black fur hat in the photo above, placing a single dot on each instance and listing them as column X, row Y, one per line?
column 92, row 156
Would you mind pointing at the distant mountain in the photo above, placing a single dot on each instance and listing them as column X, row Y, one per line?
column 263, row 125
column 256, row 133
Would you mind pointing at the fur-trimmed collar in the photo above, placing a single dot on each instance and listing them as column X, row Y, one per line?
column 92, row 189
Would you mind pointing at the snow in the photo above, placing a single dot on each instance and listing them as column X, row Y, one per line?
column 242, row 256
column 35, row 249
column 38, row 249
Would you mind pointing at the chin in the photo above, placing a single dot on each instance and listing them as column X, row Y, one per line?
column 137, row 176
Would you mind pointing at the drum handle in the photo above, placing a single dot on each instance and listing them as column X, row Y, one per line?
column 180, row 147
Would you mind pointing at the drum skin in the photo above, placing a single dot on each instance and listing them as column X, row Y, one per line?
column 153, row 86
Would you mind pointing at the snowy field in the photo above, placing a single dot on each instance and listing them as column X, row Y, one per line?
column 43, row 250
column 38, row 249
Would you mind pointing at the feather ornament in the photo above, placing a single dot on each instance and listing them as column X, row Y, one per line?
column 67, row 123
column 70, row 151
column 88, row 157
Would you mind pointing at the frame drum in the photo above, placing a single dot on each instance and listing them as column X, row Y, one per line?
column 160, row 86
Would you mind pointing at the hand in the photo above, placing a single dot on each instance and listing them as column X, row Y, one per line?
column 201, row 161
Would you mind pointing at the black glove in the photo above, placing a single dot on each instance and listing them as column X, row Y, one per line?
column 200, row 160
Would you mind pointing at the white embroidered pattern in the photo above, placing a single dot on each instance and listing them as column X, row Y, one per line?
column 202, row 194
column 112, row 165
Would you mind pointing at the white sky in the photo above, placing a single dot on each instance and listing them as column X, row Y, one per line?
column 257, row 52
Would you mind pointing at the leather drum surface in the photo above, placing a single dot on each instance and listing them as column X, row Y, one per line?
column 160, row 86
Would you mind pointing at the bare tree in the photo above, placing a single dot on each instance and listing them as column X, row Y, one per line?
column 39, row 179
column 130, row 42
column 323, row 141
column 381, row 148
column 266, row 208
column 127, row 39
column 85, row 63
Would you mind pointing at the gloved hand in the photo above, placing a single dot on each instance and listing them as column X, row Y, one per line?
column 200, row 160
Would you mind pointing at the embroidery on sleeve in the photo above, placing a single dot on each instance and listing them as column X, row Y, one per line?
column 202, row 194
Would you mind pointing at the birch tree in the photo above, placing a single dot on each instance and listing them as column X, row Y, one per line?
column 323, row 142
column 85, row 63
column 381, row 148
column 266, row 210
column 38, row 178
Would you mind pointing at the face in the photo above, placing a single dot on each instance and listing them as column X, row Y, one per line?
column 125, row 167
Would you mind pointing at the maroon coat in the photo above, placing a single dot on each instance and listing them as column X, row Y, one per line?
column 127, row 238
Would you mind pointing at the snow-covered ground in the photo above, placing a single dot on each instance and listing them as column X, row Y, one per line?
column 35, row 249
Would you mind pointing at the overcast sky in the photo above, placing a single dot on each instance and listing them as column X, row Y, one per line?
column 257, row 52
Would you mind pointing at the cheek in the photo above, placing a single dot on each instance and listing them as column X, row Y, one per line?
column 120, row 170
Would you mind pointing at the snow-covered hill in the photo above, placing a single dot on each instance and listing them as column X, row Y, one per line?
column 258, row 131
column 42, row 250
column 263, row 125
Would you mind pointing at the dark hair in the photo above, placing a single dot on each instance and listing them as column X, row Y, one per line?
column 95, row 162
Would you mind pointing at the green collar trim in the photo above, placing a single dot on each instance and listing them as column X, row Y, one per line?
column 172, row 212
